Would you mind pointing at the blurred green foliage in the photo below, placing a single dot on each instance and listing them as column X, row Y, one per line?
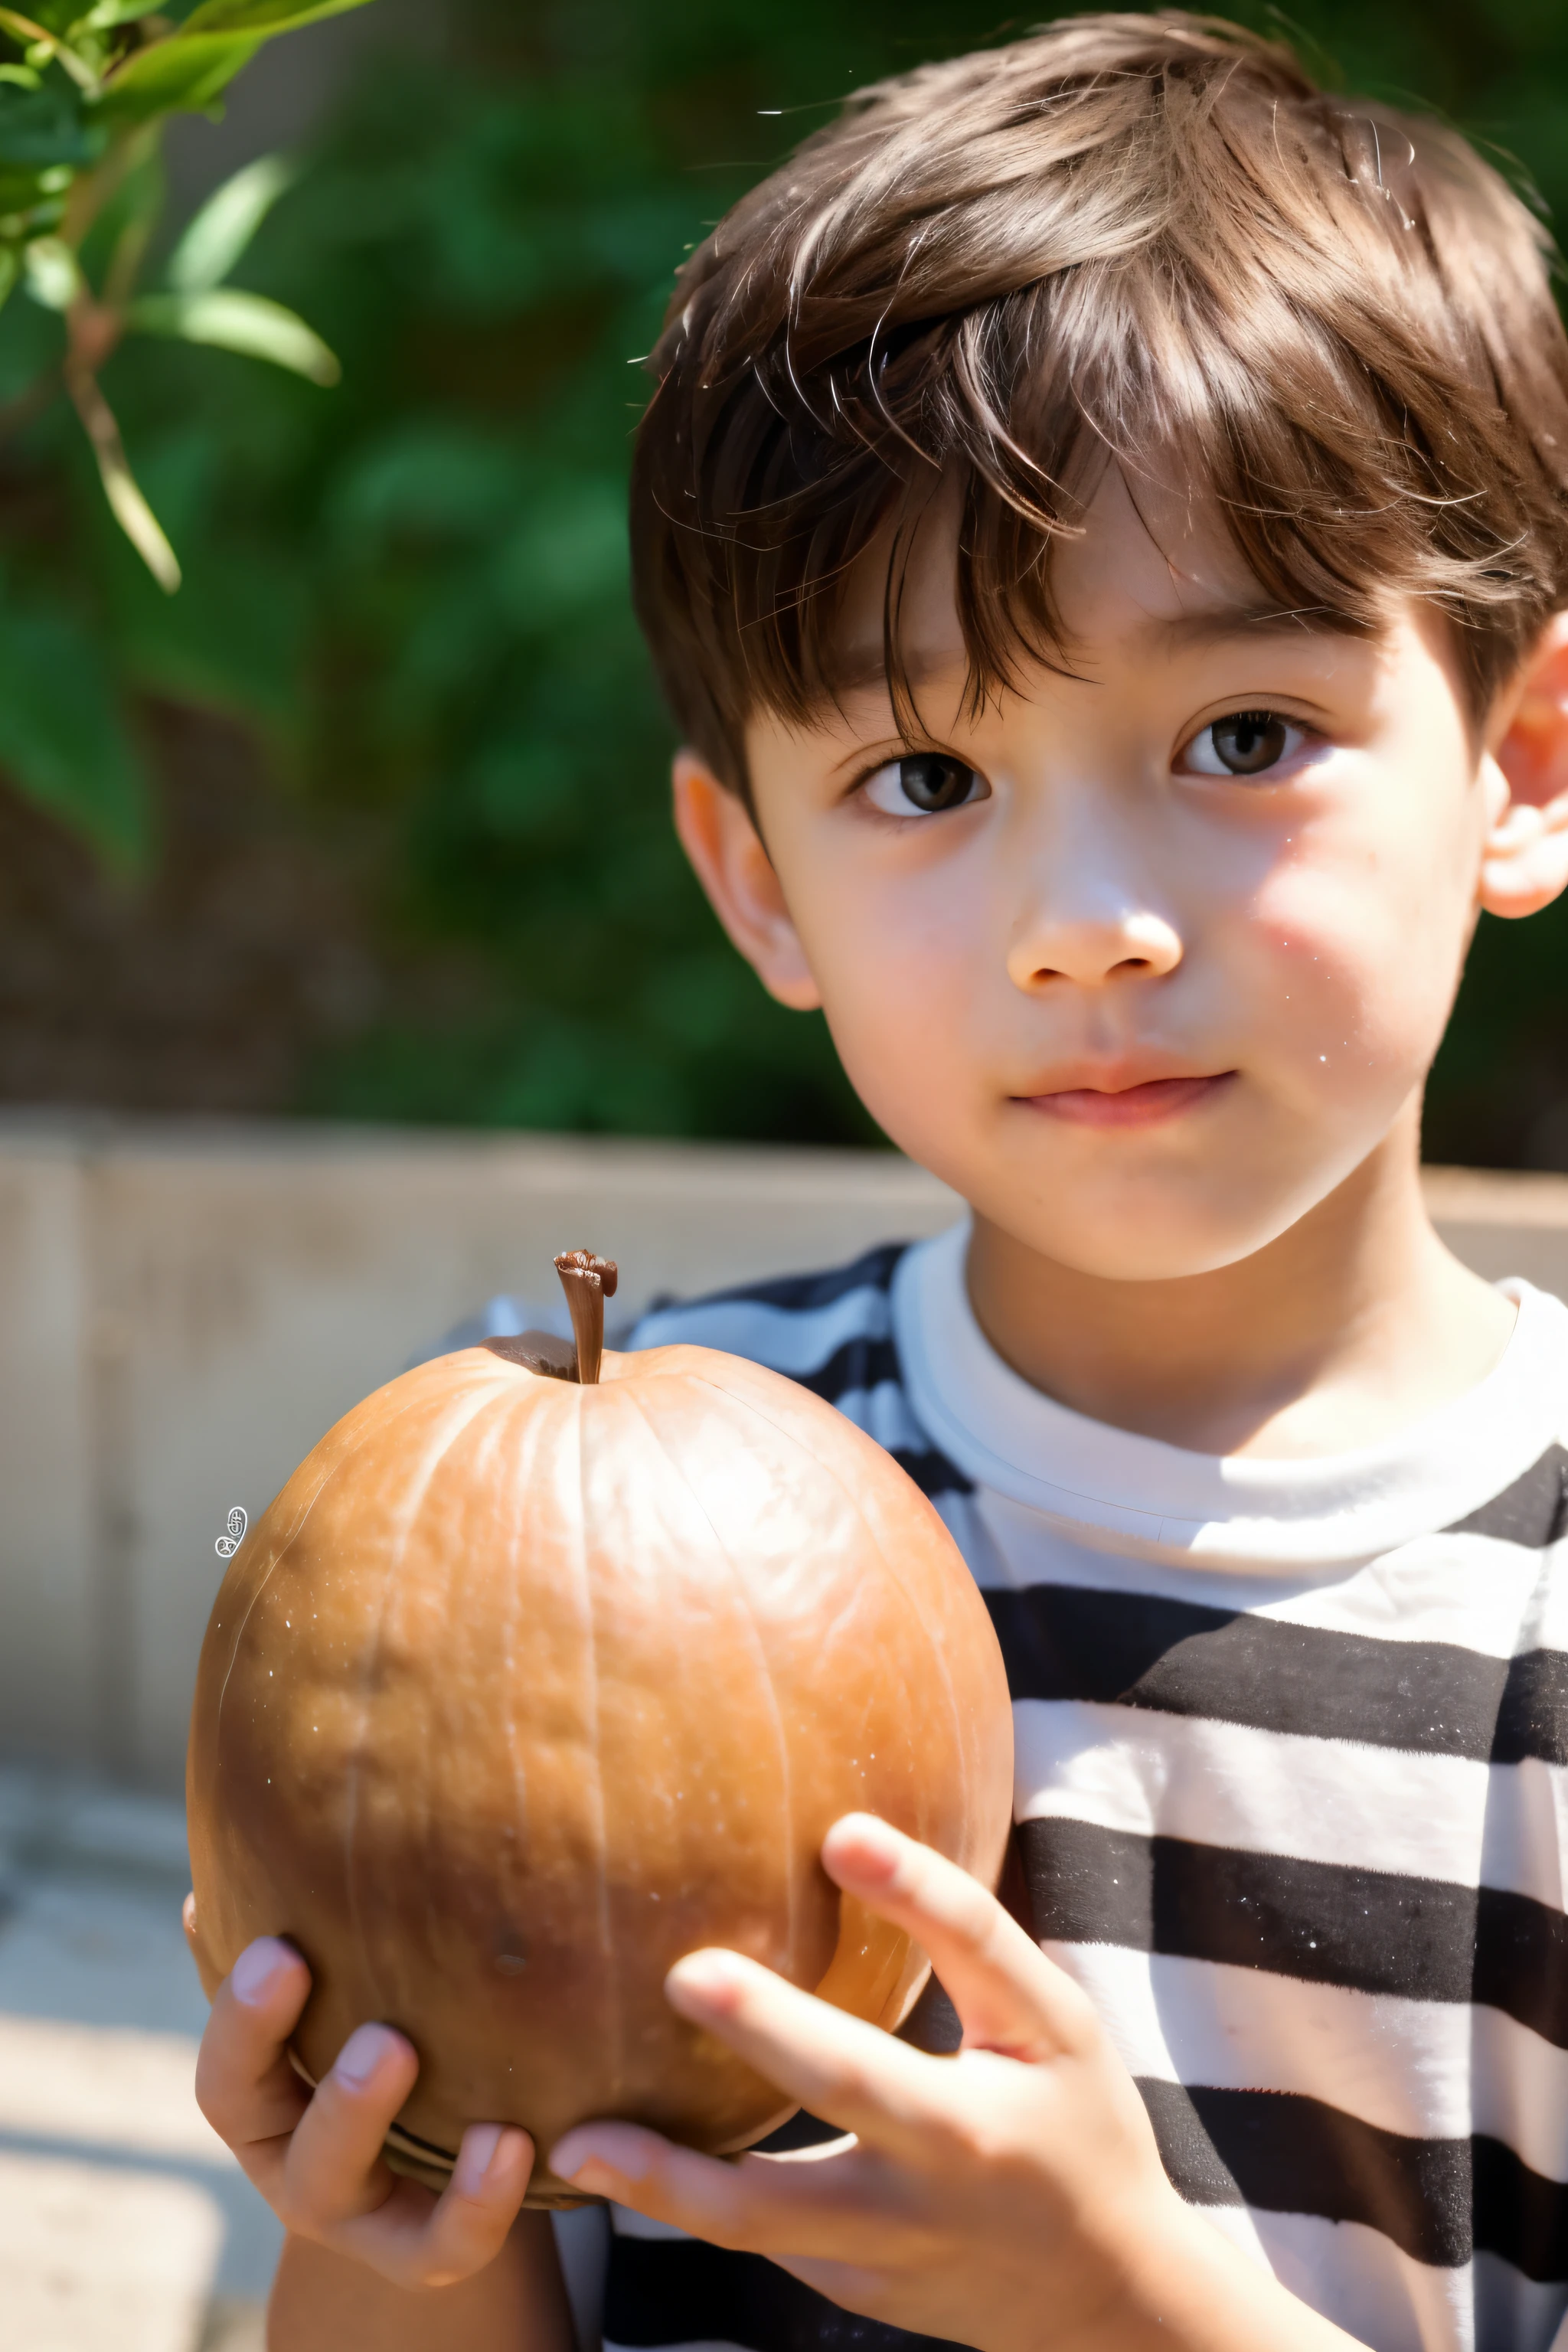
column 417, row 586
column 85, row 98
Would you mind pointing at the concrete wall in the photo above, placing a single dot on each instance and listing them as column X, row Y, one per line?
column 184, row 1309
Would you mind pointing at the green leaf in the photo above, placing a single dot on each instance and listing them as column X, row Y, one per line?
column 137, row 520
column 189, row 70
column 175, row 77
column 234, row 321
column 214, row 239
column 40, row 50
column 110, row 13
column 54, row 277
column 126, row 501
column 63, row 736
column 263, row 16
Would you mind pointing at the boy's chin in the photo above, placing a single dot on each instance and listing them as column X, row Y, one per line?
column 1171, row 1240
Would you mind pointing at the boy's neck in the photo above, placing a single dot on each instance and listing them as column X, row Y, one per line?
column 1351, row 1326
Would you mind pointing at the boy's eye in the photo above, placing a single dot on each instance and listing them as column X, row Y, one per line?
column 1244, row 743
column 922, row 783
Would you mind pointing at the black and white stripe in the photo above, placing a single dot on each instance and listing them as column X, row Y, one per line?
column 1177, row 1657
column 1288, row 1795
column 1367, row 1931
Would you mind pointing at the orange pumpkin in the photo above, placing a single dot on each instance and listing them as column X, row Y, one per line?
column 528, row 1684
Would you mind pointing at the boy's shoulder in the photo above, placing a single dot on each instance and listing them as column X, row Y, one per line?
column 801, row 1324
column 794, row 1323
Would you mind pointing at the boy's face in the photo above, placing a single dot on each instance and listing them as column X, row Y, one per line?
column 1144, row 960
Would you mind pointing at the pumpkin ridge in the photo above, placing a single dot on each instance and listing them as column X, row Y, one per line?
column 936, row 1650
column 615, row 2016
column 785, row 1772
column 900, row 1583
column 330, row 1472
column 272, row 1568
column 514, row 1430
column 454, row 1424
column 524, row 1452
column 480, row 1430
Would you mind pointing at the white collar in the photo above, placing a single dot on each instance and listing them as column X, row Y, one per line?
column 1115, row 1491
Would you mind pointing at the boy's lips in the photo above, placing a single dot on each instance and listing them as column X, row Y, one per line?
column 1142, row 1105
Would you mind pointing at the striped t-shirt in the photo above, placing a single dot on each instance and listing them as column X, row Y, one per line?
column 1292, row 1806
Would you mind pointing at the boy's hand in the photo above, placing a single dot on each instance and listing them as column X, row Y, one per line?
column 1010, row 2197
column 316, row 2156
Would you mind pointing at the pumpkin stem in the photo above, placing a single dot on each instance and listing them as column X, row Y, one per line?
column 588, row 1281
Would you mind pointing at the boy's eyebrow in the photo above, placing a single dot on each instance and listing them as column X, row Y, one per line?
column 860, row 669
column 1219, row 622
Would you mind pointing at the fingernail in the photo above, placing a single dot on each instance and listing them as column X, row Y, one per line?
column 707, row 1973
column 476, row 2155
column 595, row 2178
column 359, row 2056
column 253, row 1973
column 876, row 1839
column 594, row 2167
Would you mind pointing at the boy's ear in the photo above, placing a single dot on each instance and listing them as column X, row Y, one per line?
column 726, row 849
column 1525, row 863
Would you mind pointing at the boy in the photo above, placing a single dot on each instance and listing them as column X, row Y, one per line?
column 1101, row 528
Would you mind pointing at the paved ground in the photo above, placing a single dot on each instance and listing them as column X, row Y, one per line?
column 125, row 2225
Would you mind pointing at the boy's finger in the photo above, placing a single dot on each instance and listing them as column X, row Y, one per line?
column 767, row 2205
column 334, row 2171
column 467, row 2226
column 849, row 2073
column 245, row 2085
column 1007, row 1994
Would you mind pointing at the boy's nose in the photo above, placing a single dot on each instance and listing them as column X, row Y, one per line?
column 1092, row 950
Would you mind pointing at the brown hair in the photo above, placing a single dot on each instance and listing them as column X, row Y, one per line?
column 1148, row 240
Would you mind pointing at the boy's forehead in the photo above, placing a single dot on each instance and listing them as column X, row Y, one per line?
column 1151, row 570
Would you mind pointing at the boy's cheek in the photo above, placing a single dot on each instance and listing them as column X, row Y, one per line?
column 1325, row 1013
column 1348, row 988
